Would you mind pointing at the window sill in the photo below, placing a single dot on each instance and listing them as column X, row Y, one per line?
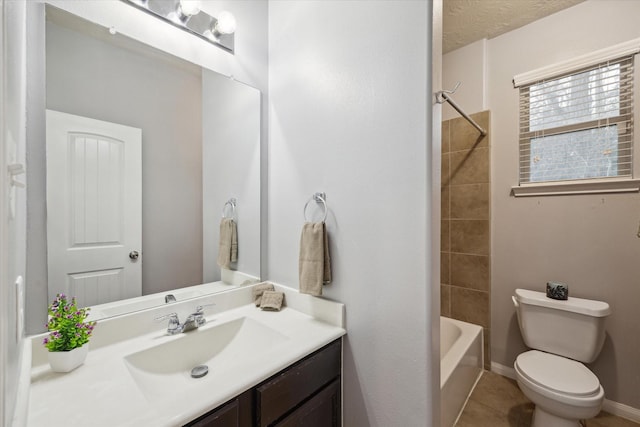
column 576, row 187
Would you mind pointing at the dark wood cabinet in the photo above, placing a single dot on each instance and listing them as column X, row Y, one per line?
column 288, row 389
column 306, row 394
column 322, row 410
column 238, row 412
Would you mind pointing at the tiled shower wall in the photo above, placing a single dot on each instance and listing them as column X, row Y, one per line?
column 465, row 242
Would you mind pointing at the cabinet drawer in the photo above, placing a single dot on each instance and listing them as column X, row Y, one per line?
column 236, row 413
column 227, row 416
column 287, row 390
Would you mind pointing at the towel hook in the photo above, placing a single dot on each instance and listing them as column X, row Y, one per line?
column 318, row 198
column 231, row 202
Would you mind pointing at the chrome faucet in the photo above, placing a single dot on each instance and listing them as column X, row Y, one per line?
column 193, row 321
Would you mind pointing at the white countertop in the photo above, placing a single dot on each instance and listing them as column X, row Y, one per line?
column 102, row 392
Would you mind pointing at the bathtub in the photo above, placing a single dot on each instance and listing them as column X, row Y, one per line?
column 461, row 364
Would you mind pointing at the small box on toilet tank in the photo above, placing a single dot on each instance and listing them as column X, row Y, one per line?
column 556, row 290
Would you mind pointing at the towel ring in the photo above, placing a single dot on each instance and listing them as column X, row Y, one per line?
column 319, row 198
column 231, row 202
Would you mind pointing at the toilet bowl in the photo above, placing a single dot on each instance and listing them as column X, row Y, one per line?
column 561, row 334
column 564, row 391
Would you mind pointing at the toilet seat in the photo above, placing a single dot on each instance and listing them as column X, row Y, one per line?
column 558, row 374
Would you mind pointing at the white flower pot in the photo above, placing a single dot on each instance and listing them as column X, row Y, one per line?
column 66, row 361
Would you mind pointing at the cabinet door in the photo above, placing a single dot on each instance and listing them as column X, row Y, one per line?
column 322, row 410
column 283, row 392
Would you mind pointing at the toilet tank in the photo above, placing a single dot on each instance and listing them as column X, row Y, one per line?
column 573, row 328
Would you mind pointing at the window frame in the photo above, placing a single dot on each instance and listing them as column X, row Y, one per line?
column 617, row 184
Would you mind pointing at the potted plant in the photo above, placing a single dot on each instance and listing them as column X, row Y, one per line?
column 68, row 341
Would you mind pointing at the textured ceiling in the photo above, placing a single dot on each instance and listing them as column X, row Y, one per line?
column 467, row 21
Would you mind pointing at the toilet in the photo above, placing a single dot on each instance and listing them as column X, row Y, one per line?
column 562, row 335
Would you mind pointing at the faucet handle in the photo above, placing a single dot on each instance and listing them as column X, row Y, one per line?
column 198, row 315
column 200, row 308
column 170, row 316
column 174, row 323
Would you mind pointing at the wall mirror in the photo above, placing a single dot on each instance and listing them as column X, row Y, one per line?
column 144, row 153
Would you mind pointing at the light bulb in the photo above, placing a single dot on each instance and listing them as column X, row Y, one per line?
column 189, row 7
column 226, row 23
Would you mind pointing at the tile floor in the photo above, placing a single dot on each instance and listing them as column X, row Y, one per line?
column 498, row 402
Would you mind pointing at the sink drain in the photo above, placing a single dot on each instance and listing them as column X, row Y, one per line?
column 199, row 371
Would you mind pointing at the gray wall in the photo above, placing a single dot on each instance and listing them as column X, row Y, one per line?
column 231, row 159
column 349, row 87
column 587, row 241
column 93, row 78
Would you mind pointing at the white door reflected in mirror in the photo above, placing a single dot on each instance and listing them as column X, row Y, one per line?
column 94, row 208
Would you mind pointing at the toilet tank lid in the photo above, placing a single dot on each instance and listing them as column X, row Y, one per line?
column 577, row 305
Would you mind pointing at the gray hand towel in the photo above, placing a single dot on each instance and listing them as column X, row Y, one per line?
column 234, row 241
column 260, row 289
column 314, row 263
column 272, row 301
column 228, row 247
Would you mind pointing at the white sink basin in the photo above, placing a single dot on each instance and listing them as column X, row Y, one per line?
column 165, row 369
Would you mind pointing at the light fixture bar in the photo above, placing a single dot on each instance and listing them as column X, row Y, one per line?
column 200, row 24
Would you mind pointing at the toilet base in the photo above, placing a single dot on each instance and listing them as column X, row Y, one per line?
column 541, row 418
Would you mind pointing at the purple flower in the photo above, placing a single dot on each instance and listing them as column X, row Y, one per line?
column 45, row 341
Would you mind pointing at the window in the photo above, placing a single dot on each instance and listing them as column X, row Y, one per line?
column 578, row 125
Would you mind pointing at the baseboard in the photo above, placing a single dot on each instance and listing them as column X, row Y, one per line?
column 621, row 410
column 615, row 408
column 505, row 371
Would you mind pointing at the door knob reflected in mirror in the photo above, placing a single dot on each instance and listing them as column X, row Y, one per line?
column 134, row 255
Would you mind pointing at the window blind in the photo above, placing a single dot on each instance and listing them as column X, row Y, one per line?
column 578, row 125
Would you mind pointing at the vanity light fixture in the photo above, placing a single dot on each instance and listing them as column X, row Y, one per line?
column 226, row 24
column 188, row 8
column 187, row 15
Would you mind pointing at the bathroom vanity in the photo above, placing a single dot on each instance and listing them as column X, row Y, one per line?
column 307, row 393
column 265, row 368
